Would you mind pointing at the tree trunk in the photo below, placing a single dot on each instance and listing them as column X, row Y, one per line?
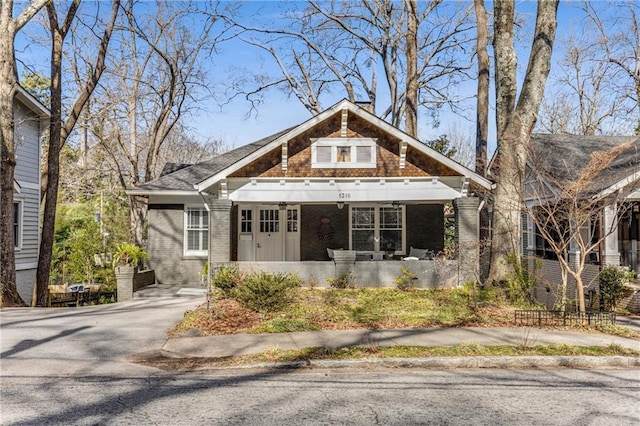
column 411, row 102
column 482, row 113
column 138, row 216
column 8, row 291
column 515, row 125
column 59, row 131
column 53, row 165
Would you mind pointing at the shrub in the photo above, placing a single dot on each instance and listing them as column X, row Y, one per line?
column 226, row 278
column 407, row 281
column 612, row 281
column 521, row 281
column 266, row 292
column 345, row 280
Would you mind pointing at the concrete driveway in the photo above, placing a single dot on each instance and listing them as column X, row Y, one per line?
column 91, row 340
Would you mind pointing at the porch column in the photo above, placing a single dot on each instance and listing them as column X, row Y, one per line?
column 467, row 238
column 611, row 253
column 219, row 232
column 574, row 248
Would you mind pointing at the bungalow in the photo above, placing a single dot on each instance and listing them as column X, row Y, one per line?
column 610, row 189
column 343, row 191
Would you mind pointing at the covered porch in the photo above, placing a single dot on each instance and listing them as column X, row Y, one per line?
column 300, row 225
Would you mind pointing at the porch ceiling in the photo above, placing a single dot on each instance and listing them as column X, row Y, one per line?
column 334, row 191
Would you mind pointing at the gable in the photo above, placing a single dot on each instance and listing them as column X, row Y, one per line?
column 387, row 154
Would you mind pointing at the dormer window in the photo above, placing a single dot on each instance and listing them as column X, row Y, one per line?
column 343, row 153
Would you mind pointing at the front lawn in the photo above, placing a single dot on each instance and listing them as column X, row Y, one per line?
column 340, row 309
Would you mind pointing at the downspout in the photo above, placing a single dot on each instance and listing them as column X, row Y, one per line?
column 208, row 209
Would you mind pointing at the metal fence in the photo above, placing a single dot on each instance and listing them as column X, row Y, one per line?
column 542, row 318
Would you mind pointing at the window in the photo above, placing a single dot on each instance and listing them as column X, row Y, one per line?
column 363, row 228
column 269, row 220
column 377, row 229
column 197, row 231
column 245, row 220
column 390, row 229
column 292, row 220
column 343, row 153
column 17, row 224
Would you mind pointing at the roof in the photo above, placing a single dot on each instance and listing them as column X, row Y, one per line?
column 32, row 103
column 185, row 178
column 199, row 177
column 561, row 159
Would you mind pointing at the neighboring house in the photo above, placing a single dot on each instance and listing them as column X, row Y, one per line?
column 31, row 119
column 558, row 161
column 344, row 180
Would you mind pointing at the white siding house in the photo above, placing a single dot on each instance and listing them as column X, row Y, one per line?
column 31, row 120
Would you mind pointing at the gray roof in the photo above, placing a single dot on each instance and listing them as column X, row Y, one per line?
column 185, row 178
column 562, row 158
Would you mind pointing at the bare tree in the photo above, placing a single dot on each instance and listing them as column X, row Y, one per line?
column 155, row 78
column 515, row 122
column 621, row 46
column 9, row 27
column 343, row 46
column 586, row 93
column 60, row 129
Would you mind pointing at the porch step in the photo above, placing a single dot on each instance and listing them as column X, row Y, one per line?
column 169, row 290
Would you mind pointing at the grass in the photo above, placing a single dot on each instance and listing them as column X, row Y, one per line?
column 382, row 352
column 340, row 309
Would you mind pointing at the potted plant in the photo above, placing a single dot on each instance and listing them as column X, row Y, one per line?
column 129, row 255
column 390, row 249
column 127, row 259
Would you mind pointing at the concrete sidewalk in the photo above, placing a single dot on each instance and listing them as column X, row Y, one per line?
column 243, row 344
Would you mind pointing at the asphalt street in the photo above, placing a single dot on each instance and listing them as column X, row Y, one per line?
column 330, row 397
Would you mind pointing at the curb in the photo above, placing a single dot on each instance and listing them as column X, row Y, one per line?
column 496, row 362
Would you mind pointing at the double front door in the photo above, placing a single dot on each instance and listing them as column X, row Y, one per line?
column 268, row 233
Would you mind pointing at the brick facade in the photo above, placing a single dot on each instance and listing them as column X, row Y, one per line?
column 317, row 234
column 425, row 227
column 165, row 247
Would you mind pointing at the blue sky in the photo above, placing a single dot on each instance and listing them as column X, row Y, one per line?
column 279, row 111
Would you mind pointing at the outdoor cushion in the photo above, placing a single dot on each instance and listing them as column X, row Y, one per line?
column 330, row 252
column 418, row 253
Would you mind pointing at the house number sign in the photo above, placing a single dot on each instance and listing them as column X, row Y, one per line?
column 344, row 195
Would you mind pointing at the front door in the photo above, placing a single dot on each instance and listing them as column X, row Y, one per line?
column 269, row 236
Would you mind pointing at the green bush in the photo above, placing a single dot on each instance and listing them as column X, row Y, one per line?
column 266, row 292
column 226, row 278
column 521, row 280
column 343, row 281
column 612, row 281
column 407, row 281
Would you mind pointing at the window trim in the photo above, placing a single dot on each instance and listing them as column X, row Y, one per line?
column 352, row 143
column 18, row 237
column 377, row 229
column 185, row 242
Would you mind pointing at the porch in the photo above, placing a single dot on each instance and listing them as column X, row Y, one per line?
column 303, row 238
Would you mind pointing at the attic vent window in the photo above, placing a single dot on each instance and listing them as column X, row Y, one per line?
column 343, row 153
